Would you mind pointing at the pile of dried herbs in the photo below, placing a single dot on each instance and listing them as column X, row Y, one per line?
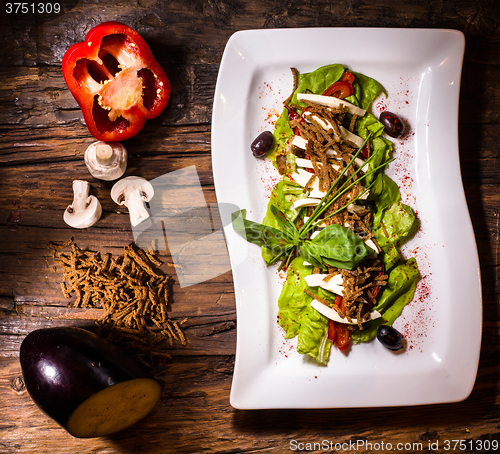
column 131, row 290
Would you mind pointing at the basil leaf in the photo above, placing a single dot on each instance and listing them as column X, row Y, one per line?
column 261, row 235
column 310, row 252
column 288, row 227
column 340, row 247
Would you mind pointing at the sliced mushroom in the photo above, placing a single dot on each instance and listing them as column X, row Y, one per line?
column 85, row 210
column 106, row 160
column 133, row 192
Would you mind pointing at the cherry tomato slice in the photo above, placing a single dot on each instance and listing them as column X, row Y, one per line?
column 331, row 330
column 376, row 289
column 348, row 77
column 341, row 89
column 341, row 336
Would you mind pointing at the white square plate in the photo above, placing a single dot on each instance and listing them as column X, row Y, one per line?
column 420, row 69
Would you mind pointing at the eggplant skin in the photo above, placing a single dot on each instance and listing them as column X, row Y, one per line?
column 64, row 366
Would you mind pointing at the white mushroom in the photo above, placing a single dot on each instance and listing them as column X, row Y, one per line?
column 106, row 160
column 85, row 210
column 133, row 192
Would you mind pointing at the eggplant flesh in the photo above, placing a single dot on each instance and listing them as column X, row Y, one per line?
column 86, row 384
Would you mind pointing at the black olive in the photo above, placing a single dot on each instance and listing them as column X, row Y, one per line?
column 390, row 337
column 393, row 125
column 262, row 144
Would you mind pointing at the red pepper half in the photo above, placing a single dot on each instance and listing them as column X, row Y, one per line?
column 116, row 81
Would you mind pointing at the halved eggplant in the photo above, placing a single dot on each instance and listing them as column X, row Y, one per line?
column 88, row 385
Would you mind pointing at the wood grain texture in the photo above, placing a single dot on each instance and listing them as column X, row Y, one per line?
column 42, row 142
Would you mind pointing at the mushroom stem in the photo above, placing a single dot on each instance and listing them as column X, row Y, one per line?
column 133, row 192
column 104, row 153
column 106, row 160
column 137, row 208
column 85, row 210
column 81, row 191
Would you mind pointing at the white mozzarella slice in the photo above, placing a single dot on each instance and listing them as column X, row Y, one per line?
column 315, row 234
column 306, row 163
column 333, row 285
column 309, row 202
column 371, row 244
column 353, row 208
column 348, row 135
column 325, row 124
column 302, row 177
column 316, row 193
column 330, row 101
column 360, row 163
column 299, row 142
column 332, row 313
column 365, row 195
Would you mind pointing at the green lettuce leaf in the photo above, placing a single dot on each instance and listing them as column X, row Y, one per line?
column 281, row 133
column 298, row 318
column 313, row 337
column 399, row 221
column 282, row 197
column 293, row 302
column 366, row 90
column 384, row 192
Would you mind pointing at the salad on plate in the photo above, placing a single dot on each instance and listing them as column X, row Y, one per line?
column 335, row 220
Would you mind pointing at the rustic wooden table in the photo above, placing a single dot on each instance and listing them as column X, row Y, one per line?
column 43, row 139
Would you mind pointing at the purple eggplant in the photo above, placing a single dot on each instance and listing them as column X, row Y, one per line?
column 86, row 384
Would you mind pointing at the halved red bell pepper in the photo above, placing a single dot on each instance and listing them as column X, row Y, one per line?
column 116, row 81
